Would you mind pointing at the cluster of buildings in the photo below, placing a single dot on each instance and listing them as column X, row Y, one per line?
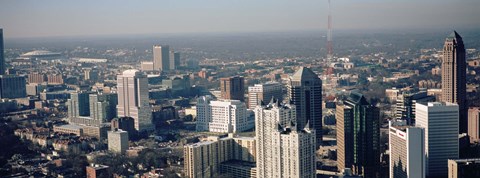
column 285, row 116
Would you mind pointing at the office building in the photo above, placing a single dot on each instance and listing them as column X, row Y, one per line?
column 12, row 86
column 205, row 159
column 358, row 136
column 440, row 121
column 97, row 171
column 227, row 116
column 407, row 151
column 283, row 148
column 117, row 141
column 174, row 60
column 161, row 57
column 2, row 56
column 405, row 107
column 305, row 92
column 125, row 124
column 132, row 88
column 261, row 94
column 474, row 124
column 454, row 76
column 232, row 88
column 78, row 104
column 464, row 168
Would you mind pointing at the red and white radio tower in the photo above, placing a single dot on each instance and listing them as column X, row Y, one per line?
column 329, row 34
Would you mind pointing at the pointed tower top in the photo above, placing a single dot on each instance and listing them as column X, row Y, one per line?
column 304, row 73
column 454, row 35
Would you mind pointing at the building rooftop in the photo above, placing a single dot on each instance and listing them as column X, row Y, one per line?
column 467, row 161
column 304, row 73
column 68, row 126
column 40, row 53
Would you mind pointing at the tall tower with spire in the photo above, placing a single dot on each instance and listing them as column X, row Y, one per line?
column 454, row 76
column 305, row 92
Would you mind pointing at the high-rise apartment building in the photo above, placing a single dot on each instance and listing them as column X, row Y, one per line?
column 261, row 94
column 454, row 81
column 161, row 57
column 12, row 86
column 204, row 159
column 305, row 92
column 2, row 56
column 474, row 124
column 232, row 88
column 227, row 116
column 440, row 121
column 358, row 136
column 118, row 141
column 407, row 151
column 132, row 88
column 78, row 104
column 283, row 148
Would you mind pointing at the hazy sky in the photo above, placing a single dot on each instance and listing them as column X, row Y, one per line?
column 36, row 18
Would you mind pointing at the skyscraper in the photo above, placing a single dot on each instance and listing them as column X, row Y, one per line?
column 78, row 104
column 161, row 57
column 2, row 57
column 454, row 76
column 174, row 60
column 440, row 121
column 283, row 148
column 232, row 88
column 305, row 92
column 263, row 93
column 132, row 87
column 407, row 151
column 358, row 136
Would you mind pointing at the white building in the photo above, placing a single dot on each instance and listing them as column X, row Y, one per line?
column 132, row 88
column 283, row 150
column 264, row 93
column 118, row 141
column 226, row 116
column 407, row 151
column 441, row 124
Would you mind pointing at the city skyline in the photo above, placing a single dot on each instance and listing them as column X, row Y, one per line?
column 129, row 17
column 240, row 88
